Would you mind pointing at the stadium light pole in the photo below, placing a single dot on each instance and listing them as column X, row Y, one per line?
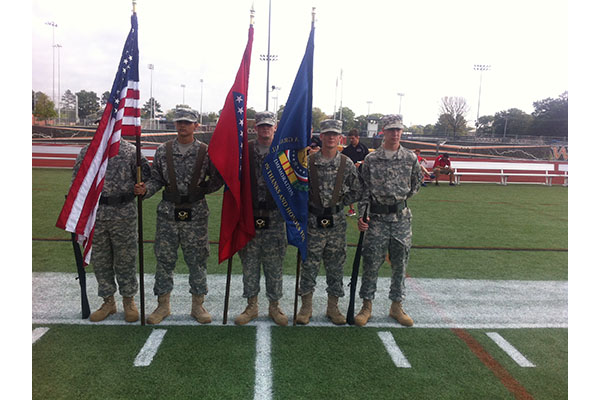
column 201, row 90
column 400, row 103
column 151, row 68
column 480, row 68
column 369, row 102
column 53, row 25
column 268, row 57
column 58, row 47
column 183, row 91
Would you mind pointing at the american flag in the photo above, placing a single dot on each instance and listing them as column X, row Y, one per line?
column 121, row 117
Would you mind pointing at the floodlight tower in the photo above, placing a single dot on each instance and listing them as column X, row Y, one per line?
column 480, row 68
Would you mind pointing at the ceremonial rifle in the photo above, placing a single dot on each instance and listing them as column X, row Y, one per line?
column 85, row 305
column 354, row 277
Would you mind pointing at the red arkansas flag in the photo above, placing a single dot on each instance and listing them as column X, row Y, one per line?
column 228, row 151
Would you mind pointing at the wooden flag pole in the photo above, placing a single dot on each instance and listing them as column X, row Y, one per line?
column 138, row 153
column 298, row 258
column 227, row 286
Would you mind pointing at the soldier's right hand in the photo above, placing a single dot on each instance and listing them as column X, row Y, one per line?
column 362, row 225
column 139, row 189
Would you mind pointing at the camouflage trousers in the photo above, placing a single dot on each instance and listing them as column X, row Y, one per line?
column 382, row 237
column 192, row 236
column 114, row 256
column 267, row 248
column 328, row 245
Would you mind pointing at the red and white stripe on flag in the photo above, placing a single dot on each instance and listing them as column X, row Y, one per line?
column 79, row 211
column 121, row 117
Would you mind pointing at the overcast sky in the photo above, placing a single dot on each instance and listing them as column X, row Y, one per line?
column 424, row 49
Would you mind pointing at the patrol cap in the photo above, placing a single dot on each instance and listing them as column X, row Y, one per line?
column 392, row 121
column 265, row 118
column 331, row 125
column 185, row 114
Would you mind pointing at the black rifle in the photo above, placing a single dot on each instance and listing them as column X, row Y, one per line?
column 354, row 277
column 85, row 306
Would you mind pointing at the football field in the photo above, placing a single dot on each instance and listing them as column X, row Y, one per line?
column 487, row 289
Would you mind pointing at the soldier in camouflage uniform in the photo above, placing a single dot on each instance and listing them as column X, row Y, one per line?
column 334, row 183
column 268, row 247
column 182, row 215
column 389, row 175
column 115, row 232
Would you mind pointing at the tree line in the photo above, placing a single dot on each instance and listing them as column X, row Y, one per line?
column 549, row 118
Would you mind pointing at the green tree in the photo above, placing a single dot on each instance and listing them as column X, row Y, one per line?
column 250, row 113
column 452, row 116
column 551, row 116
column 105, row 97
column 44, row 107
column 88, row 103
column 429, row 129
column 317, row 117
column 416, row 129
column 348, row 119
column 514, row 121
column 211, row 117
column 484, row 125
column 147, row 108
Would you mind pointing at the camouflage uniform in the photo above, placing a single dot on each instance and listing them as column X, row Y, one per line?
column 387, row 182
column 192, row 235
column 268, row 247
column 115, row 232
column 329, row 244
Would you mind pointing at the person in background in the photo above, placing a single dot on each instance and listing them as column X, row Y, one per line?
column 422, row 163
column 357, row 152
column 442, row 166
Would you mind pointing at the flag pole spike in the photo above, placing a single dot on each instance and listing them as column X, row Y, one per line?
column 314, row 13
column 252, row 14
column 133, row 3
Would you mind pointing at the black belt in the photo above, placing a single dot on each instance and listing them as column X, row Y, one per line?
column 325, row 211
column 116, row 200
column 384, row 209
column 181, row 199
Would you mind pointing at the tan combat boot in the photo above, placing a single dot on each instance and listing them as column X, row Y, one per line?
column 162, row 311
column 131, row 311
column 333, row 312
column 250, row 313
column 399, row 315
column 303, row 316
column 198, row 310
column 107, row 308
column 364, row 314
column 276, row 314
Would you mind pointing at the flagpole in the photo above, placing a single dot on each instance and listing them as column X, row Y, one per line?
column 298, row 256
column 138, row 154
column 230, row 260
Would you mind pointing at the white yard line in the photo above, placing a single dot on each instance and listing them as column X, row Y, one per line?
column 263, row 382
column 393, row 350
column 510, row 350
column 37, row 333
column 147, row 353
